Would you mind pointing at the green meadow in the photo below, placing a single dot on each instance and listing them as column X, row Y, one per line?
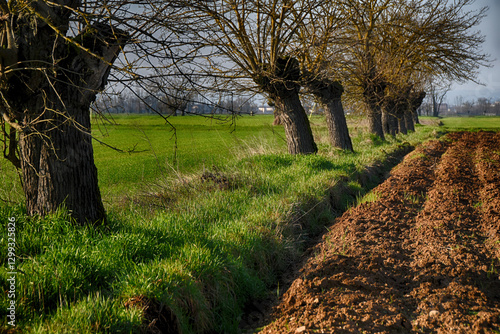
column 154, row 148
column 202, row 220
column 467, row 123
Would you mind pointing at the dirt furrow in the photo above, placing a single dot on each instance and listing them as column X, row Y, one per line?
column 488, row 166
column 363, row 260
column 419, row 259
column 456, row 293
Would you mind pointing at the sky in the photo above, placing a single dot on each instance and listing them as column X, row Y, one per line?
column 490, row 77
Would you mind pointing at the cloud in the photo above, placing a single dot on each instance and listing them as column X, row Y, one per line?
column 490, row 77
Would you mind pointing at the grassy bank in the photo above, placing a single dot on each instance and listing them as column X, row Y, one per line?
column 188, row 246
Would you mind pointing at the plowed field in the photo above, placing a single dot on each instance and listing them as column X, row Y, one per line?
column 422, row 257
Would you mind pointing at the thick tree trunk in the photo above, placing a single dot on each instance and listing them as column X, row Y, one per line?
column 402, row 124
column 375, row 123
column 337, row 125
column 58, row 167
column 283, row 90
column 385, row 122
column 53, row 111
column 389, row 123
column 329, row 94
column 435, row 107
column 416, row 120
column 416, row 99
column 373, row 94
column 393, row 121
column 410, row 126
column 298, row 131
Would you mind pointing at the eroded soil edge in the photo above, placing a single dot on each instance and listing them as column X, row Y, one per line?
column 424, row 257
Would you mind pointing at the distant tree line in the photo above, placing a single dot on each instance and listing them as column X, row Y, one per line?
column 482, row 106
column 146, row 103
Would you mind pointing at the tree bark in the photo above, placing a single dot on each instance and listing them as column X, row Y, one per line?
column 416, row 99
column 393, row 121
column 385, row 122
column 329, row 94
column 435, row 106
column 52, row 107
column 283, row 90
column 298, row 131
column 58, row 167
column 402, row 124
column 408, row 116
column 337, row 125
column 375, row 123
column 389, row 122
column 373, row 94
column 277, row 117
column 416, row 120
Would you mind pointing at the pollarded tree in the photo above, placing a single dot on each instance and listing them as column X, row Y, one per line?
column 249, row 45
column 329, row 92
column 392, row 39
column 316, row 36
column 56, row 56
column 403, row 95
column 394, row 108
column 433, row 40
column 361, row 42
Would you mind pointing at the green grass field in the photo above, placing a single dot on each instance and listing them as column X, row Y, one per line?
column 148, row 148
column 476, row 123
column 201, row 235
column 186, row 144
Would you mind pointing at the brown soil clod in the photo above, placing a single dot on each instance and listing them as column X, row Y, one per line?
column 423, row 258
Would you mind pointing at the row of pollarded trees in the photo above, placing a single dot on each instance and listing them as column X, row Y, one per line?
column 383, row 52
column 414, row 44
column 56, row 56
